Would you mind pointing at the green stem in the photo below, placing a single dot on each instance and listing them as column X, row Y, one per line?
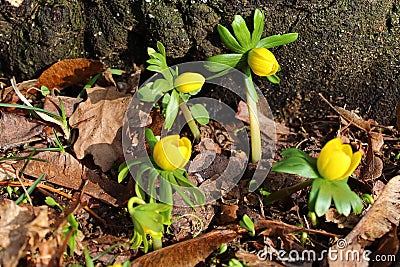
column 189, row 119
column 132, row 201
column 285, row 192
column 255, row 133
column 157, row 243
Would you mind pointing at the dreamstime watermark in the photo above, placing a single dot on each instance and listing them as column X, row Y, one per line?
column 338, row 253
column 232, row 81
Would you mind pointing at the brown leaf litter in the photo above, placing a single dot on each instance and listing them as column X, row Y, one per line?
column 99, row 120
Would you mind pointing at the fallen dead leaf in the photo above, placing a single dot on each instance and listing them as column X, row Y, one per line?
column 187, row 253
column 64, row 170
column 99, row 120
column 254, row 260
column 383, row 216
column 7, row 172
column 332, row 215
column 353, row 118
column 16, row 129
column 69, row 72
column 20, row 231
column 374, row 165
column 275, row 228
column 52, row 104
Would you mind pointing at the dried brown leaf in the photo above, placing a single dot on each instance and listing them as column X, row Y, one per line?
column 99, row 120
column 20, row 231
column 332, row 215
column 374, row 165
column 354, row 119
column 187, row 253
column 254, row 260
column 7, row 172
column 276, row 228
column 15, row 129
column 376, row 141
column 69, row 72
column 52, row 104
column 64, row 170
column 383, row 216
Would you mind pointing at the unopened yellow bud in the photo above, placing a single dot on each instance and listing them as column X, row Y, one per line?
column 189, row 82
column 337, row 161
column 262, row 62
column 172, row 152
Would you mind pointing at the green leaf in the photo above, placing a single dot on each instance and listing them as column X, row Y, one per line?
column 230, row 41
column 241, row 32
column 258, row 27
column 274, row 79
column 200, row 114
column 88, row 260
column 324, row 198
column 150, row 138
column 277, row 40
column 154, row 61
column 294, row 152
column 164, row 102
column 163, row 85
column 172, row 110
column 154, row 68
column 295, row 165
column 161, row 48
column 247, row 224
column 148, row 93
column 116, row 72
column 44, row 90
column 165, row 191
column 151, row 51
column 231, row 60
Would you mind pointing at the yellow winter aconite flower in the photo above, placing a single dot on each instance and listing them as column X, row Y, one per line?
column 262, row 62
column 172, row 152
column 337, row 161
column 189, row 82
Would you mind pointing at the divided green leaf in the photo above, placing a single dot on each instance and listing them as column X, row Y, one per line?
column 277, row 40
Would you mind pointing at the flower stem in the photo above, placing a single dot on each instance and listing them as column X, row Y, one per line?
column 255, row 133
column 285, row 192
column 189, row 119
column 157, row 243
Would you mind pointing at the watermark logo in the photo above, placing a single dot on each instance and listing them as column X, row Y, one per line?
column 340, row 252
column 231, row 81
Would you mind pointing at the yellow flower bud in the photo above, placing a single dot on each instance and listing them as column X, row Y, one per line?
column 172, row 152
column 262, row 62
column 337, row 161
column 189, row 82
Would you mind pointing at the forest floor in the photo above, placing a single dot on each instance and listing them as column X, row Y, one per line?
column 75, row 165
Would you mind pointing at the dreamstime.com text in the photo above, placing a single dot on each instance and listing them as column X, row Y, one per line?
column 340, row 254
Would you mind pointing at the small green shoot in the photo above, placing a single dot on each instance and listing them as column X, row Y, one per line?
column 223, row 248
column 71, row 232
column 247, row 223
column 52, row 203
column 44, row 90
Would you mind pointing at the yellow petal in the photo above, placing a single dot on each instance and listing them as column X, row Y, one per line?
column 355, row 161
